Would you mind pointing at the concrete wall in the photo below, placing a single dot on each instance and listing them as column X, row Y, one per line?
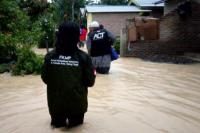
column 112, row 21
column 89, row 20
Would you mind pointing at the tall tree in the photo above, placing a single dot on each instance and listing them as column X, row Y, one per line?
column 70, row 9
column 34, row 8
column 114, row 2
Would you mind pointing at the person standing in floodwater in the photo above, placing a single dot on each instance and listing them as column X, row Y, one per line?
column 83, row 33
column 68, row 72
column 99, row 43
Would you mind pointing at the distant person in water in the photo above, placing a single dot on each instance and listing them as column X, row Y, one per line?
column 99, row 43
column 68, row 72
column 83, row 34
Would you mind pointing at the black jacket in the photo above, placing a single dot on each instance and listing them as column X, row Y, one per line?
column 67, row 79
column 100, row 43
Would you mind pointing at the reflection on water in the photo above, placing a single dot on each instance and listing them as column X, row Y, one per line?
column 136, row 96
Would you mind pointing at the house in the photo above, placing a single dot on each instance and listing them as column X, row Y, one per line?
column 179, row 32
column 156, row 6
column 112, row 17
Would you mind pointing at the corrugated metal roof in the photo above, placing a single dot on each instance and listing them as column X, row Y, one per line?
column 148, row 3
column 105, row 8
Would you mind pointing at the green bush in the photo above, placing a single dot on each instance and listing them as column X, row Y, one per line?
column 16, row 30
column 8, row 48
column 27, row 62
column 48, row 26
column 22, row 27
column 4, row 68
column 117, row 45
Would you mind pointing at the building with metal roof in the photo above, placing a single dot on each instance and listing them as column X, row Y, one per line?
column 148, row 3
column 156, row 6
column 105, row 8
column 112, row 17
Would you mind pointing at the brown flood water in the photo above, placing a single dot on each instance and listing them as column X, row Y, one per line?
column 136, row 97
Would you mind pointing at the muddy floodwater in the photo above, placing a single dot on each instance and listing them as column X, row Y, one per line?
column 136, row 97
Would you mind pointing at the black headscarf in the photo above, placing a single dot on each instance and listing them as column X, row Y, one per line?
column 67, row 38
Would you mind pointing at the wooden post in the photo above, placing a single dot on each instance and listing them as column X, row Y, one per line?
column 123, row 41
column 73, row 10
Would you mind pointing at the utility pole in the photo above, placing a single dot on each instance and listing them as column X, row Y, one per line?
column 73, row 2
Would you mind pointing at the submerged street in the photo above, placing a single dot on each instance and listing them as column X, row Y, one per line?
column 136, row 97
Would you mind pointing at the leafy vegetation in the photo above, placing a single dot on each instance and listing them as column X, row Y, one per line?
column 4, row 68
column 21, row 29
column 17, row 32
column 117, row 45
column 7, row 48
column 25, row 24
column 28, row 62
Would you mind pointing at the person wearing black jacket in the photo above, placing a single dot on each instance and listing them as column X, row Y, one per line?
column 68, row 72
column 99, row 42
